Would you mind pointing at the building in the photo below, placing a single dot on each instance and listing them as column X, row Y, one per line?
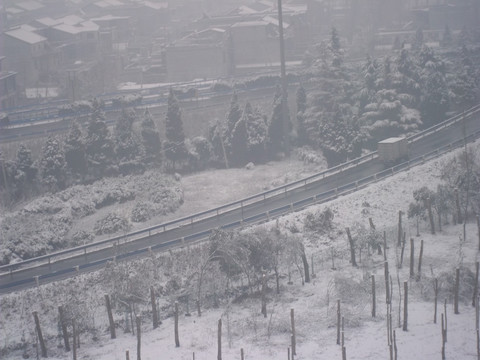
column 8, row 88
column 198, row 56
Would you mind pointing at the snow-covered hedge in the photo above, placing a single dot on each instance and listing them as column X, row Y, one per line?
column 111, row 224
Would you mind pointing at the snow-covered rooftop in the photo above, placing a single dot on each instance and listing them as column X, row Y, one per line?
column 25, row 36
column 29, row 5
column 249, row 23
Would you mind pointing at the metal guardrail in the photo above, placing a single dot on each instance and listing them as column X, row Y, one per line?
column 264, row 216
column 215, row 212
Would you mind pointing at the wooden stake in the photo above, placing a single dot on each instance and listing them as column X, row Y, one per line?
column 478, row 231
column 475, row 285
column 352, row 248
column 477, row 326
column 199, row 311
column 74, row 333
column 241, row 354
column 444, row 331
column 110, row 317
column 395, row 350
column 412, row 258
column 387, row 283
column 403, row 249
column 430, row 216
column 39, row 334
column 63, row 325
column 219, row 340
column 405, row 306
column 154, row 307
column 400, row 230
column 294, row 337
column 343, row 332
column 264, row 295
column 435, row 290
column 177, row 340
column 457, row 288
column 138, row 320
column 446, row 322
column 374, row 300
column 344, row 353
column 339, row 317
column 419, row 272
column 127, row 355
column 384, row 245
column 292, row 341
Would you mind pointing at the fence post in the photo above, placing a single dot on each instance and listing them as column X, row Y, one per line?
column 40, row 336
column 110, row 317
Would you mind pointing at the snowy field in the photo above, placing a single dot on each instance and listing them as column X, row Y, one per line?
column 244, row 327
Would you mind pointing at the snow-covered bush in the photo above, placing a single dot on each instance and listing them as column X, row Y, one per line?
column 111, row 224
column 319, row 222
column 142, row 211
column 81, row 237
column 309, row 156
column 118, row 194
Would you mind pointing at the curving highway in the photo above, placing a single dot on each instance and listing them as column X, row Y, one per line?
column 429, row 144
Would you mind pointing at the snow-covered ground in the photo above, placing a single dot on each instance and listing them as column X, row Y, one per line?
column 314, row 303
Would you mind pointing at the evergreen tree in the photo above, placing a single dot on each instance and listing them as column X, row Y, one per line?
column 127, row 144
column 256, row 125
column 335, row 48
column 10, row 191
column 74, row 148
column 418, row 40
column 233, row 116
column 216, row 137
column 239, row 143
column 277, row 136
column 447, row 38
column 25, row 164
column 301, row 108
column 99, row 147
column 52, row 165
column 151, row 140
column 174, row 145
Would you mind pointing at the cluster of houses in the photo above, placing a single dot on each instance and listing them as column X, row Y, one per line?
column 76, row 48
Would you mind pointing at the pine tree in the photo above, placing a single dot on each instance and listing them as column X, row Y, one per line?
column 418, row 40
column 74, row 148
column 99, row 146
column 447, row 38
column 127, row 145
column 25, row 164
column 151, row 140
column 239, row 140
column 276, row 128
column 52, row 165
column 335, row 48
column 233, row 115
column 301, row 108
column 174, row 144
column 256, row 125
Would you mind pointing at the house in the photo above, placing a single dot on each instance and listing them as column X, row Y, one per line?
column 27, row 55
column 8, row 88
column 198, row 56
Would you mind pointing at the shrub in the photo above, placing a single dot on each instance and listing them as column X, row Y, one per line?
column 110, row 224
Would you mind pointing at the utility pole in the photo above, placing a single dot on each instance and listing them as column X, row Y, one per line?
column 283, row 78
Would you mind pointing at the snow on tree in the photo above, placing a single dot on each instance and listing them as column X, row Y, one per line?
column 335, row 48
column 301, row 97
column 463, row 83
column 25, row 164
column 435, row 96
column 447, row 37
column 174, row 145
column 277, row 134
column 418, row 40
column 239, row 138
column 127, row 145
column 52, row 165
column 257, row 133
column 199, row 153
column 74, row 148
column 151, row 140
column 99, row 146
column 232, row 117
column 216, row 137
